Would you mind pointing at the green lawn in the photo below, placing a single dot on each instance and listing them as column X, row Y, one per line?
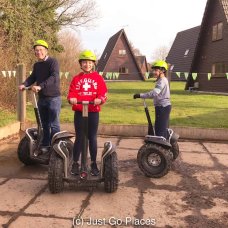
column 188, row 109
column 6, row 117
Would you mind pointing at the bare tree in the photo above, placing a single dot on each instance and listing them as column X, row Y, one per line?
column 160, row 53
column 68, row 59
column 135, row 50
column 23, row 21
column 76, row 13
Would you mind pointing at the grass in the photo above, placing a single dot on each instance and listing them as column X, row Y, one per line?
column 188, row 109
column 6, row 117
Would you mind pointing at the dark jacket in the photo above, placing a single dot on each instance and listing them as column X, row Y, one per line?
column 46, row 75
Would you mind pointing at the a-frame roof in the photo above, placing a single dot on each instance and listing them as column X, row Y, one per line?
column 185, row 41
column 224, row 7
column 105, row 57
column 141, row 59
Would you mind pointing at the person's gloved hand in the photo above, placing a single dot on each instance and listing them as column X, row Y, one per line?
column 137, row 95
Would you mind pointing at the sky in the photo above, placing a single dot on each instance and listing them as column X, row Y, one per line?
column 148, row 24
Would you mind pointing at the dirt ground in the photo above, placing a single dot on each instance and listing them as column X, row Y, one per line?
column 193, row 194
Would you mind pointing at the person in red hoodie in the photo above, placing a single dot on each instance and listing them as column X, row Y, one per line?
column 88, row 85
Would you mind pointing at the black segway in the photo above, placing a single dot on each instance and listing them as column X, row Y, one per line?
column 156, row 155
column 62, row 158
column 30, row 150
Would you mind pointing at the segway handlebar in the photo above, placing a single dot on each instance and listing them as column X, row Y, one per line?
column 85, row 102
column 150, row 125
column 27, row 88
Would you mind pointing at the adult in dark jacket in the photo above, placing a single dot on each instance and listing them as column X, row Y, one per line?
column 46, row 76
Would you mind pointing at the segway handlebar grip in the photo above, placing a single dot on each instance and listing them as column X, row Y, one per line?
column 27, row 88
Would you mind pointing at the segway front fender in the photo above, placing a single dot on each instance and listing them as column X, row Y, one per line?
column 108, row 149
column 174, row 137
column 61, row 149
column 157, row 140
column 62, row 135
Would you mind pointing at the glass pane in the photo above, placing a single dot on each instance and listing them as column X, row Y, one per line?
column 220, row 27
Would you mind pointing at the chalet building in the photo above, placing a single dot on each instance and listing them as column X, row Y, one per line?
column 182, row 52
column 118, row 57
column 143, row 65
column 211, row 55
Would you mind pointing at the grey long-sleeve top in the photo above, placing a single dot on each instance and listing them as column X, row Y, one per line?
column 160, row 94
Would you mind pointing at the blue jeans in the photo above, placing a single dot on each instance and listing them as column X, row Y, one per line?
column 49, row 108
column 162, row 120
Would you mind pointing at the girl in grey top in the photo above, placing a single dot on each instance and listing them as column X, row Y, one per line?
column 161, row 97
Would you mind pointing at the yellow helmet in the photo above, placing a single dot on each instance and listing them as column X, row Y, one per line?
column 160, row 64
column 87, row 55
column 40, row 43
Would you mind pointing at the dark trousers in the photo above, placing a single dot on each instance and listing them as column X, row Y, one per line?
column 49, row 108
column 93, row 121
column 162, row 120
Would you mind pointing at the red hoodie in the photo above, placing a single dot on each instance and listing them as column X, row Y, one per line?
column 87, row 87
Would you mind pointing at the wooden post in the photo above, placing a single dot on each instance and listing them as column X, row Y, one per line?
column 21, row 96
column 168, row 74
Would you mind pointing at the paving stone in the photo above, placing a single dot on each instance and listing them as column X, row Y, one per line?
column 216, row 148
column 199, row 159
column 131, row 143
column 2, row 180
column 192, row 194
column 65, row 204
column 18, row 192
column 40, row 222
column 119, row 205
column 210, row 179
column 126, row 154
column 191, row 147
column 4, row 219
column 217, row 210
column 169, row 203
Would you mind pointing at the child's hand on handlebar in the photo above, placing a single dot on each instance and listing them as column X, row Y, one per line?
column 73, row 101
column 97, row 101
column 137, row 95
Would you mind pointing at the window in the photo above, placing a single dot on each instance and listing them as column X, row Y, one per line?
column 219, row 69
column 123, row 70
column 186, row 52
column 122, row 52
column 217, row 31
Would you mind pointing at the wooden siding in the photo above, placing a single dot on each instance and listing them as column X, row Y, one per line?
column 111, row 60
column 209, row 52
column 116, row 61
column 185, row 40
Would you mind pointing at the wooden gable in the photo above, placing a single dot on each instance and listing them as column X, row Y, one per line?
column 182, row 52
column 142, row 62
column 211, row 54
column 119, row 57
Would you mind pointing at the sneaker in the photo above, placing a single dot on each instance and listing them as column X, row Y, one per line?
column 94, row 170
column 75, row 169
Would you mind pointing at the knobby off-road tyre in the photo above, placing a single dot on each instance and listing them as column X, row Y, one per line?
column 23, row 152
column 175, row 150
column 149, row 153
column 111, row 175
column 56, row 169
